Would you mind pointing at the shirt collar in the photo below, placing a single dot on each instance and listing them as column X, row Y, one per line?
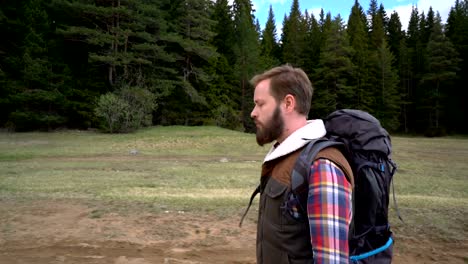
column 313, row 130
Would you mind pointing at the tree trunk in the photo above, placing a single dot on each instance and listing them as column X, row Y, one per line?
column 437, row 105
column 111, row 81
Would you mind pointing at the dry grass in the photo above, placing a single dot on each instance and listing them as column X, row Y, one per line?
column 208, row 169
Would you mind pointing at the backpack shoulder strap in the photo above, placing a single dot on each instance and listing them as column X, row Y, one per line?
column 338, row 158
column 301, row 170
column 252, row 197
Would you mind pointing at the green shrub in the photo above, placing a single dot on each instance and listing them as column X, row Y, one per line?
column 127, row 110
column 227, row 117
column 142, row 103
column 113, row 111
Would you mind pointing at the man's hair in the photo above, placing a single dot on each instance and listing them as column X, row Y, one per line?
column 286, row 80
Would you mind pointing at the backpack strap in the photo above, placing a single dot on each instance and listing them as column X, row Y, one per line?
column 336, row 156
column 303, row 162
column 301, row 170
column 252, row 197
column 394, row 168
column 331, row 152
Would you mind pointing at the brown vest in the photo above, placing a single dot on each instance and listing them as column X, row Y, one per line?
column 280, row 237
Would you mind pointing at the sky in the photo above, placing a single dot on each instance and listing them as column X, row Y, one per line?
column 343, row 7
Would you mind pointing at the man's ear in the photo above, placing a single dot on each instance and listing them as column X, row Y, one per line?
column 289, row 103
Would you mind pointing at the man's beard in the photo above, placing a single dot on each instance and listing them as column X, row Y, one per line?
column 272, row 128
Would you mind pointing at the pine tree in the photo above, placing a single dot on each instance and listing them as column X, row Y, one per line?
column 416, row 67
column 442, row 69
column 422, row 27
column 326, row 25
column 395, row 36
column 11, row 13
column 372, row 12
column 193, row 25
column 423, row 39
column 224, row 30
column 293, row 37
column 247, row 52
column 258, row 29
column 313, row 44
column 383, row 79
column 334, row 74
column 388, row 97
column 429, row 24
column 109, row 32
column 457, row 32
column 124, row 36
column 269, row 45
column 357, row 32
column 383, row 15
column 37, row 97
column 377, row 33
column 404, row 87
column 357, row 28
column 222, row 94
column 127, row 39
column 397, row 46
column 413, row 32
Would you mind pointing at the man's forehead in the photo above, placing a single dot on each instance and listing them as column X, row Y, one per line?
column 263, row 87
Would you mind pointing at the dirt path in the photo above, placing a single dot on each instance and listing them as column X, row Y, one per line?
column 57, row 232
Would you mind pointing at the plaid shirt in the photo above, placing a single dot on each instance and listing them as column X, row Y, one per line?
column 329, row 212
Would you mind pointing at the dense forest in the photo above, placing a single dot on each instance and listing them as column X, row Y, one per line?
column 123, row 64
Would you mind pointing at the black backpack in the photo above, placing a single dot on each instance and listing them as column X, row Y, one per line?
column 367, row 147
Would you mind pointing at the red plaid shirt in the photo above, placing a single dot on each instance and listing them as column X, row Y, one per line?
column 329, row 209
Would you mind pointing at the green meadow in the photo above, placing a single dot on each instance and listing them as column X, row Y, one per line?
column 209, row 170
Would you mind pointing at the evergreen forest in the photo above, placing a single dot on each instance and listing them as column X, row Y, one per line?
column 120, row 65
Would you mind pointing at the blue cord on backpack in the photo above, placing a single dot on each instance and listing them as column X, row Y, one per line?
column 355, row 259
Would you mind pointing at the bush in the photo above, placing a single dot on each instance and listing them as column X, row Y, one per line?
column 227, row 117
column 129, row 109
column 113, row 111
column 141, row 103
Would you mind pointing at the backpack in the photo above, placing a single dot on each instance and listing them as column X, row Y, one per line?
column 367, row 147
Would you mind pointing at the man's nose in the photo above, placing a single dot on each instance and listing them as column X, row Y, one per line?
column 253, row 114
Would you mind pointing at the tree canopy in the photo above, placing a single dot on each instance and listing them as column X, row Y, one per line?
column 123, row 64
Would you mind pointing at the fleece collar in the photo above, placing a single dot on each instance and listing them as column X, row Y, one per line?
column 313, row 130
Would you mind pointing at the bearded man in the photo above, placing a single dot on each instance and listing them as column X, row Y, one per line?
column 282, row 102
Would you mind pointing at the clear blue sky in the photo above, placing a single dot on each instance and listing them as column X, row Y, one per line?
column 343, row 7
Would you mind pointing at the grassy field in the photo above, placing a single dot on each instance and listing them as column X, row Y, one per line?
column 175, row 168
column 212, row 170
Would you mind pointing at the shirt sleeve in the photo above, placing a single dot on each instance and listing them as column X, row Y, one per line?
column 329, row 209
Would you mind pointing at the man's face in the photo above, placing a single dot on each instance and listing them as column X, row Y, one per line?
column 266, row 114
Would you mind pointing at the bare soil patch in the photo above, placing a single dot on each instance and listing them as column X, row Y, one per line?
column 62, row 232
